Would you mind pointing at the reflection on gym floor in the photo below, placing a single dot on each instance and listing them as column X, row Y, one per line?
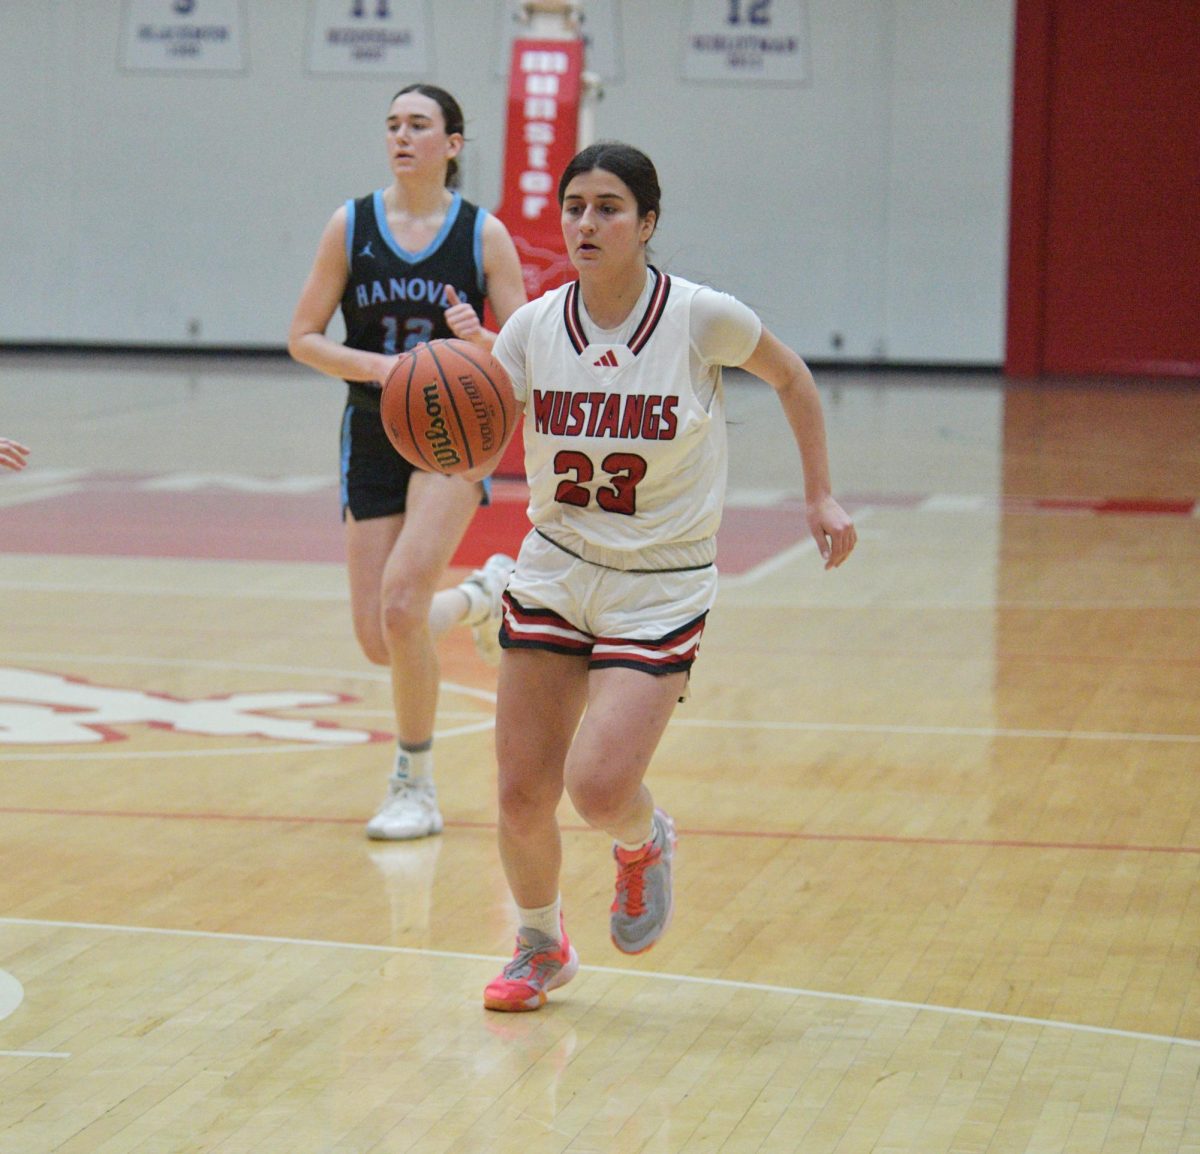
column 939, row 811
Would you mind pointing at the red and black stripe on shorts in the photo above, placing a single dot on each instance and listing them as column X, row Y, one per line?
column 544, row 629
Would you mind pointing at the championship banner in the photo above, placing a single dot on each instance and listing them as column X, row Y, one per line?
column 544, row 91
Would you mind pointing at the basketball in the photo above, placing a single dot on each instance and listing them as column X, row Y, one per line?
column 447, row 406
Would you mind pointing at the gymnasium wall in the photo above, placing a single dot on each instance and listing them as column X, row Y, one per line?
column 1104, row 271
column 864, row 214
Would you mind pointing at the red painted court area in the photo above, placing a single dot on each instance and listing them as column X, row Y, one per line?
column 132, row 517
column 290, row 519
column 117, row 515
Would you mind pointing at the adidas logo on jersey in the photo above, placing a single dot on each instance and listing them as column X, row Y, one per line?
column 608, row 361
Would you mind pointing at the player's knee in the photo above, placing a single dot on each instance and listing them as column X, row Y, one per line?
column 371, row 642
column 403, row 616
column 377, row 655
column 525, row 802
column 600, row 801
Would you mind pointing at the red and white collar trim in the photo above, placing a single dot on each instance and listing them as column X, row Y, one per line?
column 646, row 327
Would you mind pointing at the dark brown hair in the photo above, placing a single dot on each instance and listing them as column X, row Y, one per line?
column 626, row 163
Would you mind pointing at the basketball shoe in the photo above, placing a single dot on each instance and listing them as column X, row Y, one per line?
column 539, row 965
column 409, row 811
column 483, row 590
column 642, row 909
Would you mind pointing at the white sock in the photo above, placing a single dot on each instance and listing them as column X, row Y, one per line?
column 546, row 919
column 479, row 605
column 633, row 847
column 414, row 764
column 449, row 608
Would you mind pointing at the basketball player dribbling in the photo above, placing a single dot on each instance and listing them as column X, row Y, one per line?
column 619, row 374
column 409, row 263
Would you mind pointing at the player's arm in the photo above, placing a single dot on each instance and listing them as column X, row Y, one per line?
column 319, row 299
column 505, row 286
column 784, row 370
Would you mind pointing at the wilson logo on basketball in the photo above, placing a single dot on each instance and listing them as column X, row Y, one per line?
column 448, row 406
column 439, row 440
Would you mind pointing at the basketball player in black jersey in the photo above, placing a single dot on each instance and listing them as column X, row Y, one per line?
column 408, row 263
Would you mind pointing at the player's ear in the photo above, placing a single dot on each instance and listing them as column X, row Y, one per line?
column 454, row 144
column 647, row 225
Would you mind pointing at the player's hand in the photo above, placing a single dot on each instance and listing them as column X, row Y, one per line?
column 480, row 472
column 12, row 454
column 462, row 318
column 832, row 530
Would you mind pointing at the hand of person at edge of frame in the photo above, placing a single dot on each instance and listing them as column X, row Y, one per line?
column 12, row 454
column 461, row 317
column 832, row 530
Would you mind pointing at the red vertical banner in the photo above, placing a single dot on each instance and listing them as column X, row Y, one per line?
column 544, row 86
column 545, row 81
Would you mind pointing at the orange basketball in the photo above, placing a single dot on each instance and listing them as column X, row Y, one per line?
column 447, row 406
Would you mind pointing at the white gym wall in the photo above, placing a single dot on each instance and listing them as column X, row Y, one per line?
column 176, row 210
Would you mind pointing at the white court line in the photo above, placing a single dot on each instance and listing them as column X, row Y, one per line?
column 983, row 732
column 244, row 667
column 175, row 591
column 985, row 606
column 484, row 724
column 780, row 560
column 41, row 475
column 648, row 975
column 196, row 663
column 63, row 754
column 29, row 496
column 772, row 565
column 70, row 754
column 732, row 581
column 349, row 710
column 12, row 994
column 169, row 754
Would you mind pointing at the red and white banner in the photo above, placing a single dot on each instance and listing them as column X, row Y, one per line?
column 545, row 82
column 544, row 89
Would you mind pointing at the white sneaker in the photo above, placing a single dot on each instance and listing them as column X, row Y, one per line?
column 410, row 810
column 483, row 590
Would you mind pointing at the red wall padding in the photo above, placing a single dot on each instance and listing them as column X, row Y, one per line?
column 1104, row 273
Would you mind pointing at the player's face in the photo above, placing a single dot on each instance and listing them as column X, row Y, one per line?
column 417, row 140
column 600, row 221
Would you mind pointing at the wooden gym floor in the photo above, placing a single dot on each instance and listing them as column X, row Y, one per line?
column 939, row 811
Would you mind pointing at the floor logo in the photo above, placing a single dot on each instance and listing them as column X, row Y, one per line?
column 49, row 709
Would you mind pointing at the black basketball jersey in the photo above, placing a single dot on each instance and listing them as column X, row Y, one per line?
column 394, row 298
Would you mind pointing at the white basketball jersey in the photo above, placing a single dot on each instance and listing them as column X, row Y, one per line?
column 622, row 455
